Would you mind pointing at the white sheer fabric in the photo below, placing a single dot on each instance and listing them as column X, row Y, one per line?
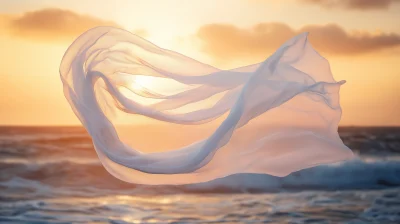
column 281, row 115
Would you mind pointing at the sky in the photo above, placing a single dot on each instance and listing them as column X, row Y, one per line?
column 360, row 38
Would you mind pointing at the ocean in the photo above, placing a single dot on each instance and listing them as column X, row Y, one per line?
column 53, row 175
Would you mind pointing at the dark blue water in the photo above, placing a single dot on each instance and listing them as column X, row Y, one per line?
column 52, row 175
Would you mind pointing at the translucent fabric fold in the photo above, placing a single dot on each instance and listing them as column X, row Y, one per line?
column 274, row 117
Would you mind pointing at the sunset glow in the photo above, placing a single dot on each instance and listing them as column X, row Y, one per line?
column 362, row 43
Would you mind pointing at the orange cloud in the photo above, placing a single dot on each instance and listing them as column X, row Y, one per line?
column 227, row 42
column 353, row 4
column 52, row 24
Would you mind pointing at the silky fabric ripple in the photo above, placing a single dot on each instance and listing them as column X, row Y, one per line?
column 278, row 116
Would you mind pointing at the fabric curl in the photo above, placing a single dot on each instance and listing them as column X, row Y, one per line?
column 277, row 116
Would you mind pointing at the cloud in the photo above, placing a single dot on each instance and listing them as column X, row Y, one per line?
column 353, row 4
column 51, row 24
column 227, row 42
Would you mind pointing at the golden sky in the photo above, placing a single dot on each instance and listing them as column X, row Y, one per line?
column 360, row 38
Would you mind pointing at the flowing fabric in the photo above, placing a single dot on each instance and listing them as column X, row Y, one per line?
column 277, row 116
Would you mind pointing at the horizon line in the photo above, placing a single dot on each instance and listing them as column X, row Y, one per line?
column 141, row 124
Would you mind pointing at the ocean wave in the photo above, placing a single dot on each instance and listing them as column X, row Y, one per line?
column 356, row 174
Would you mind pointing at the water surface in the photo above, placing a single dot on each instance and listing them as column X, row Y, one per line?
column 52, row 175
